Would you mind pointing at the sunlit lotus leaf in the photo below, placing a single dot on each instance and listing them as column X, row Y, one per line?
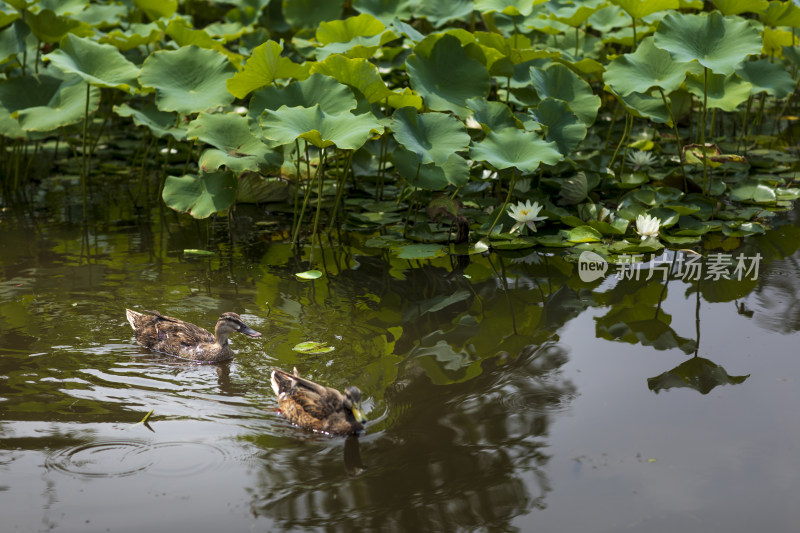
column 644, row 69
column 492, row 115
column 310, row 13
column 440, row 13
column 7, row 15
column 63, row 7
column 51, row 28
column 358, row 73
column 386, row 10
column 697, row 373
column 430, row 176
column 576, row 14
column 781, row 14
column 345, row 130
column 561, row 125
column 724, row 92
column 332, row 96
column 447, row 77
column 559, row 82
column 52, row 104
column 433, row 137
column 646, row 106
column 307, row 275
column 725, row 42
column 514, row 148
column 311, row 347
column 9, row 127
column 200, row 195
column 737, row 7
column 134, row 36
column 188, row 80
column 20, row 5
column 767, row 77
column 102, row 16
column 775, row 40
column 363, row 30
column 513, row 8
column 584, row 234
column 405, row 97
column 184, row 35
column 160, row 123
column 156, row 9
column 639, row 9
column 264, row 66
column 237, row 145
column 101, row 65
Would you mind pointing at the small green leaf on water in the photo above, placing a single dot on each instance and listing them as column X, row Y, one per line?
column 313, row 347
column 190, row 252
column 309, row 274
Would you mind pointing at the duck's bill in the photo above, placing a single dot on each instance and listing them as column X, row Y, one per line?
column 359, row 415
column 250, row 332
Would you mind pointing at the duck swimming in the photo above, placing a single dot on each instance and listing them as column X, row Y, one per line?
column 173, row 336
column 316, row 407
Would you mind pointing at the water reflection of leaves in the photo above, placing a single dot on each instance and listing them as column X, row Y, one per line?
column 697, row 373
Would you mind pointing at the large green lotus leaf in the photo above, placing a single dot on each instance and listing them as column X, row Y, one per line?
column 310, row 13
column 781, row 14
column 440, row 13
column 447, row 77
column 184, row 35
column 557, row 81
column 512, row 8
column 102, row 16
column 12, row 42
column 263, row 67
column 358, row 73
column 156, row 9
column 188, row 80
column 387, row 10
column 405, row 98
column 346, row 131
column 753, row 191
column 639, row 9
column 514, row 148
column 332, row 96
column 63, row 7
column 576, row 14
column 134, row 36
column 342, row 31
column 646, row 106
column 724, row 92
column 51, row 28
column 492, row 115
column 65, row 106
column 200, row 195
column 7, row 15
column 160, row 123
column 430, row 176
column 9, row 127
column 736, row 7
column 237, row 145
column 98, row 64
column 433, row 137
column 561, row 125
column 646, row 68
column 718, row 43
column 771, row 78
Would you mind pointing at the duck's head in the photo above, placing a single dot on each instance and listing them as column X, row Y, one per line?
column 352, row 402
column 230, row 322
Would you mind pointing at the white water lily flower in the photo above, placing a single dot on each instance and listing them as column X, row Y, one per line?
column 647, row 226
column 526, row 214
column 641, row 159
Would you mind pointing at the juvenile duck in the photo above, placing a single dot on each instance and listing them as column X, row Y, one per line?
column 316, row 407
column 173, row 336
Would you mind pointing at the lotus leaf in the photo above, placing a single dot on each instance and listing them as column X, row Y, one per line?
column 188, row 80
column 718, row 43
column 737, row 7
column 644, row 69
column 156, row 9
column 51, row 28
column 51, row 104
column 386, row 10
column 492, row 115
column 433, row 137
column 723, row 92
column 767, row 77
column 332, row 96
column 200, row 195
column 264, row 66
column 160, row 123
column 559, row 82
column 440, row 13
column 639, row 9
column 514, row 148
column 447, row 77
column 562, row 126
column 238, row 147
column 310, row 13
column 344, row 130
column 135, row 35
column 101, row 65
column 358, row 73
column 430, row 176
column 781, row 14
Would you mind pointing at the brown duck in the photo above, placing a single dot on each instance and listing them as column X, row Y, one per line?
column 175, row 337
column 316, row 407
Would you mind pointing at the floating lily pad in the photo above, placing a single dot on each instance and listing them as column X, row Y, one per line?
column 193, row 252
column 309, row 275
column 313, row 347
column 419, row 251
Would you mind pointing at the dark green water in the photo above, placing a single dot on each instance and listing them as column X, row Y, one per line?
column 502, row 392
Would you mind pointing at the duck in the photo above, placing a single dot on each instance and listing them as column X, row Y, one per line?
column 317, row 407
column 175, row 337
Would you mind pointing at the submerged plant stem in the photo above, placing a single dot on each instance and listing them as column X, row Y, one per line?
column 505, row 203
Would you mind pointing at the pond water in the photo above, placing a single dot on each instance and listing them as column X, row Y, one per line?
column 502, row 392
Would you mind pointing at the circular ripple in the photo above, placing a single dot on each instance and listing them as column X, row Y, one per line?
column 181, row 459
column 102, row 459
column 542, row 400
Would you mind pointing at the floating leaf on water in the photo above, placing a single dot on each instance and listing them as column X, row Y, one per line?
column 420, row 251
column 309, row 274
column 194, row 252
column 313, row 347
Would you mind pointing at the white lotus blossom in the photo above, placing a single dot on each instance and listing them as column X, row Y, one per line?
column 641, row 159
column 647, row 226
column 526, row 214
